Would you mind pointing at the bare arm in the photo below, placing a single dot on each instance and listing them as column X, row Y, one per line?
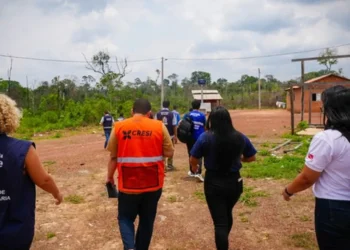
column 304, row 180
column 112, row 147
column 111, row 169
column 249, row 159
column 194, row 164
column 39, row 176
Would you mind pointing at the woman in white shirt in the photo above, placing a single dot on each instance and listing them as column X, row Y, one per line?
column 327, row 168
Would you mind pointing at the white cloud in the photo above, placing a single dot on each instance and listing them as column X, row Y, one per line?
column 182, row 29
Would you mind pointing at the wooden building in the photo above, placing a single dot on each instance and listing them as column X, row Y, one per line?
column 313, row 90
column 210, row 96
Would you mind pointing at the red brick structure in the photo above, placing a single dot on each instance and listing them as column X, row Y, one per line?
column 313, row 90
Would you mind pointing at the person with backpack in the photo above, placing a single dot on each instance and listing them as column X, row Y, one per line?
column 107, row 123
column 223, row 149
column 169, row 120
column 177, row 115
column 197, row 120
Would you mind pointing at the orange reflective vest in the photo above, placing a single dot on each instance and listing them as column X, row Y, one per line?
column 140, row 155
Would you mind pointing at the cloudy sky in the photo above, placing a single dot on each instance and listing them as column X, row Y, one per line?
column 175, row 29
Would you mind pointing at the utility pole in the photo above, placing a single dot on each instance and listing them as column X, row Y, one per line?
column 28, row 103
column 302, row 92
column 9, row 72
column 259, row 89
column 162, row 85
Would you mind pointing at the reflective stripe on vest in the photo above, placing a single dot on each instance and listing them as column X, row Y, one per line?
column 139, row 159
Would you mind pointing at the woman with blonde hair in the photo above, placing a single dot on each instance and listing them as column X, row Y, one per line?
column 20, row 171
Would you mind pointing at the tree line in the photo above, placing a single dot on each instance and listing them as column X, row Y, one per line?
column 73, row 101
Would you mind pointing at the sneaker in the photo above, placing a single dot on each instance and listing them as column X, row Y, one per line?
column 200, row 177
column 190, row 174
column 170, row 167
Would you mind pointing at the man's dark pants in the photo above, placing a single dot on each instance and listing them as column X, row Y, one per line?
column 145, row 206
column 189, row 145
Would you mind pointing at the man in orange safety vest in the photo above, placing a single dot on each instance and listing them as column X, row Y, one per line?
column 137, row 146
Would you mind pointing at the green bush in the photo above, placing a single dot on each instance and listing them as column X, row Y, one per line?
column 302, row 125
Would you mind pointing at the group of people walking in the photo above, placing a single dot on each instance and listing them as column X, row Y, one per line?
column 138, row 146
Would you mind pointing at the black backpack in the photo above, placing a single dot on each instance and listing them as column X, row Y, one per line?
column 184, row 130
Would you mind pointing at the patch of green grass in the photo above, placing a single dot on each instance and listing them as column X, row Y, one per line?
column 172, row 198
column 265, row 145
column 50, row 235
column 252, row 136
column 244, row 213
column 302, row 151
column 286, row 167
column 48, row 163
column 304, row 218
column 74, row 199
column 244, row 219
column 57, row 135
column 303, row 240
column 199, row 195
column 27, row 136
column 248, row 196
column 264, row 152
column 49, row 166
column 296, row 138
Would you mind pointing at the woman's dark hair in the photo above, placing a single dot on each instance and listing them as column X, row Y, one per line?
column 336, row 107
column 228, row 142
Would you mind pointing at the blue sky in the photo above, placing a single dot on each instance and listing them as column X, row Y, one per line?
column 142, row 29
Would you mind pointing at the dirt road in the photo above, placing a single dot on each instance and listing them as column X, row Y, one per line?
column 78, row 164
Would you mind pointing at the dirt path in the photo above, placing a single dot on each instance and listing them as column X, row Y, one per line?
column 78, row 164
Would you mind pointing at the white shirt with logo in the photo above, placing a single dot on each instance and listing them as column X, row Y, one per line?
column 329, row 153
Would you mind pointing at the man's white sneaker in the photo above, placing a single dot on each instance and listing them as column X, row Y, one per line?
column 190, row 174
column 200, row 177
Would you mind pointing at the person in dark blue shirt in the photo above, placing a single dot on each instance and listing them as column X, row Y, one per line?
column 198, row 119
column 20, row 172
column 107, row 123
column 223, row 149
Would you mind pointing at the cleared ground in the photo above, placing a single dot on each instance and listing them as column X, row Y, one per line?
column 87, row 219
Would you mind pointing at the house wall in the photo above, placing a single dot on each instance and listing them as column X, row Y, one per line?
column 318, row 88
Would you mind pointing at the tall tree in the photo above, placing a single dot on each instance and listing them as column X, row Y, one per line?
column 196, row 75
column 327, row 59
column 100, row 64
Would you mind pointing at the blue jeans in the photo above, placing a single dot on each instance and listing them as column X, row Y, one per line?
column 107, row 134
column 145, row 206
column 332, row 224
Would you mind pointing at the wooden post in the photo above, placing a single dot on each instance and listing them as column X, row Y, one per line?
column 302, row 91
column 291, row 96
column 310, row 106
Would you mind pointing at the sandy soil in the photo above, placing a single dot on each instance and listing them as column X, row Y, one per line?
column 78, row 164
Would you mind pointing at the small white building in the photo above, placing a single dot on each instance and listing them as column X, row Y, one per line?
column 211, row 98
